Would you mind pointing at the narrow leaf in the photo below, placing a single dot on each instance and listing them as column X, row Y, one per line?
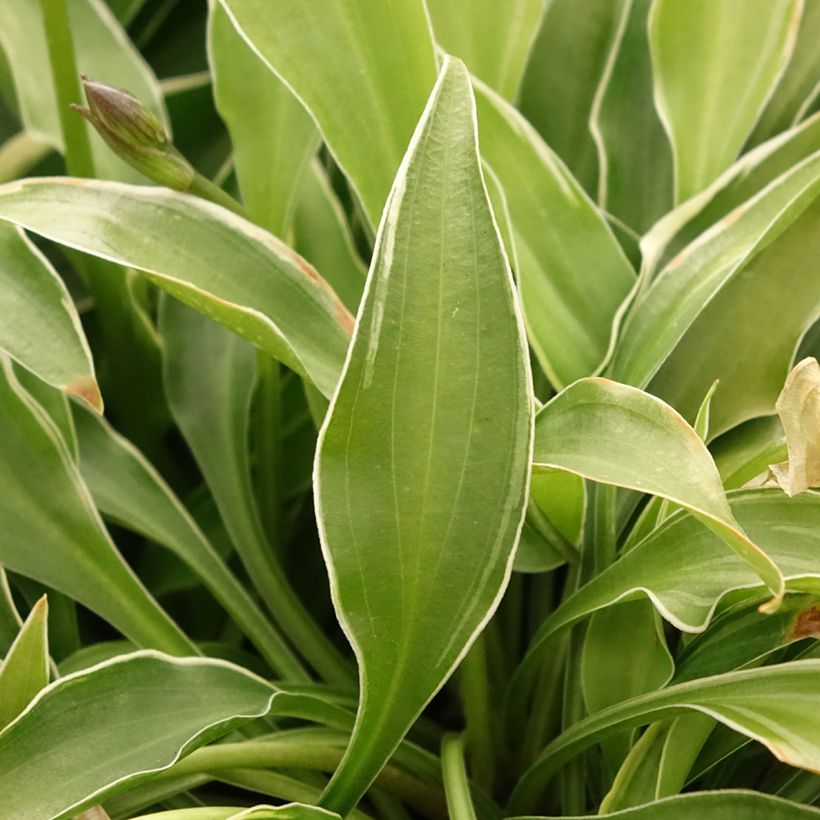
column 493, row 41
column 634, row 157
column 686, row 571
column 40, row 327
column 25, row 668
column 715, row 65
column 359, row 68
column 207, row 257
column 53, row 533
column 272, row 135
column 571, row 271
column 563, row 74
column 94, row 733
column 421, row 473
column 128, row 489
column 768, row 705
column 615, row 434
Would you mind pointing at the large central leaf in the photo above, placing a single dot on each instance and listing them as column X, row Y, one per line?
column 422, row 468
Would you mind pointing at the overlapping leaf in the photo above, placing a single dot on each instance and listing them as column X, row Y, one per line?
column 422, row 468
column 360, row 68
column 209, row 258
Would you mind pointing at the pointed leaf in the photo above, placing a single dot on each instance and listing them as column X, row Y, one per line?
column 686, row 571
column 210, row 376
column 40, row 327
column 211, row 259
column 615, row 434
column 128, row 489
column 688, row 289
column 25, row 668
column 358, row 68
column 571, row 271
column 53, row 533
column 715, row 65
column 493, row 41
column 420, row 475
column 272, row 135
column 740, row 183
column 768, row 705
column 94, row 733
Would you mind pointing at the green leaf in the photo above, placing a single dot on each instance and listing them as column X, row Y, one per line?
column 40, row 328
column 421, row 473
column 322, row 236
column 799, row 80
column 360, row 69
column 615, row 434
column 727, row 804
column 128, row 489
column 634, row 157
column 103, row 52
column 210, row 376
column 769, row 235
column 715, row 66
column 571, row 271
column 205, row 256
column 493, row 41
column 740, row 183
column 685, row 571
column 768, row 705
column 272, row 135
column 99, row 731
column 25, row 668
column 292, row 811
column 53, row 533
column 775, row 289
column 562, row 78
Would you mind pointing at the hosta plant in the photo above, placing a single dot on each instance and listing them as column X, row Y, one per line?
column 409, row 409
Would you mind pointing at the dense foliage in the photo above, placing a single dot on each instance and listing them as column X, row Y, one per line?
column 409, row 409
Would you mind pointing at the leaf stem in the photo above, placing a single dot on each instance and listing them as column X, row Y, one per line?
column 456, row 784
column 478, row 712
column 64, row 74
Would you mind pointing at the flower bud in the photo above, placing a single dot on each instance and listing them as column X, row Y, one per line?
column 135, row 134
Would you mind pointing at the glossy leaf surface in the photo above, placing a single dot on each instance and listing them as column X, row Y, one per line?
column 615, row 434
column 423, row 463
column 121, row 720
column 209, row 258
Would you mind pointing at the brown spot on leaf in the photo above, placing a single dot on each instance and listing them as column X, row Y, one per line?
column 88, row 390
column 807, row 624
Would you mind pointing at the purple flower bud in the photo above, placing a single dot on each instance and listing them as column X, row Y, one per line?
column 135, row 134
